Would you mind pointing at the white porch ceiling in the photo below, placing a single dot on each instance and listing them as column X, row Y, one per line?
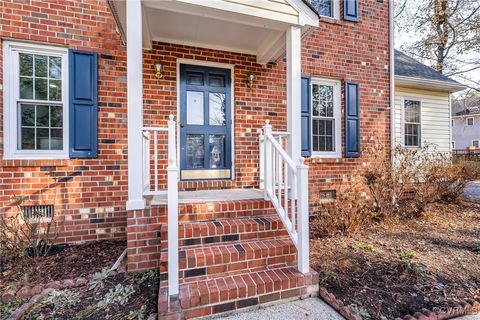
column 252, row 27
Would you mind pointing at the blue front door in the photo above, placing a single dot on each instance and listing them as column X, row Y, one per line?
column 205, row 123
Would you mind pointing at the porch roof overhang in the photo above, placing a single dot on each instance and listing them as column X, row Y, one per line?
column 255, row 27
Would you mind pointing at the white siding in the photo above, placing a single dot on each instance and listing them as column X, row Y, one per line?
column 435, row 116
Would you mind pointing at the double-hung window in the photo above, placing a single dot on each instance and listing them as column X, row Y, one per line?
column 470, row 121
column 326, row 115
column 412, row 123
column 326, row 8
column 35, row 101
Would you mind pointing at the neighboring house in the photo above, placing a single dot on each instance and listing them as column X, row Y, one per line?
column 97, row 95
column 422, row 104
column 466, row 124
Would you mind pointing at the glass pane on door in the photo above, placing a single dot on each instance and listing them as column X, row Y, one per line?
column 217, row 109
column 195, row 151
column 194, row 107
column 217, row 150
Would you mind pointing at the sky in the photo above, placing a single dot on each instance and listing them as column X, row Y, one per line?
column 403, row 38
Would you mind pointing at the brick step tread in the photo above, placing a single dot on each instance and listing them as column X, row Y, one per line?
column 222, row 257
column 227, row 230
column 233, row 290
column 204, row 211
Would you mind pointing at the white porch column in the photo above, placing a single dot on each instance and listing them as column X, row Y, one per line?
column 134, row 104
column 294, row 76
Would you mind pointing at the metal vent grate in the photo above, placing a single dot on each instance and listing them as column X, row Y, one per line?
column 38, row 211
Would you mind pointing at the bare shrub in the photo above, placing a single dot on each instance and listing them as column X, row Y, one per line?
column 22, row 237
column 346, row 215
column 415, row 179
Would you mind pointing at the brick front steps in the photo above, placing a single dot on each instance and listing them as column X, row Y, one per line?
column 235, row 290
column 233, row 255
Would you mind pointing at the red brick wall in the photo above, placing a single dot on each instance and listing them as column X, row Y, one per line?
column 92, row 193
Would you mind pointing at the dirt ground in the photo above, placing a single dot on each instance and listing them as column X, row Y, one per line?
column 72, row 262
column 399, row 267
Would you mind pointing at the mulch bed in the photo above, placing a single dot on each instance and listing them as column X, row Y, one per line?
column 72, row 262
column 84, row 301
column 397, row 268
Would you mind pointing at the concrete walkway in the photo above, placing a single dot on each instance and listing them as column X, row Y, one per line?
column 472, row 192
column 308, row 309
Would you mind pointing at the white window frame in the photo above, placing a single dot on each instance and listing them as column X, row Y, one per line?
column 335, row 9
column 420, row 143
column 466, row 121
column 11, row 94
column 337, row 114
column 477, row 141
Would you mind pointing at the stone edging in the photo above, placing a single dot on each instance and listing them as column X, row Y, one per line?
column 338, row 305
column 467, row 307
column 470, row 306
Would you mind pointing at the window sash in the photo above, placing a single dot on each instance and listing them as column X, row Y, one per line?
column 326, row 143
column 412, row 129
column 12, row 101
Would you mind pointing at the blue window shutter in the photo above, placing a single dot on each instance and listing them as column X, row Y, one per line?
column 83, row 100
column 306, row 118
column 350, row 10
column 352, row 120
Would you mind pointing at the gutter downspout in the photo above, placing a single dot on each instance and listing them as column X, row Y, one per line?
column 392, row 79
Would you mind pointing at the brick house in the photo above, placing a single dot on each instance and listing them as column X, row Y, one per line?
column 130, row 117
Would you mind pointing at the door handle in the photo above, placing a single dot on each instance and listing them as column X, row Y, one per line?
column 182, row 125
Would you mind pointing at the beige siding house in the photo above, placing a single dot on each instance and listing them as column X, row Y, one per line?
column 422, row 105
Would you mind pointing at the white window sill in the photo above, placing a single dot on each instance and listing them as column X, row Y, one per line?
column 329, row 155
column 36, row 157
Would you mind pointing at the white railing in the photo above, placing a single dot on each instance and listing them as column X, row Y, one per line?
column 285, row 184
column 152, row 136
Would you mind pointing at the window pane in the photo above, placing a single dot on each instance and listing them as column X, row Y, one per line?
column 41, row 89
column 326, row 93
column 217, row 108
column 26, row 64
column 56, row 142
column 43, row 140
column 43, row 116
column 27, row 115
column 27, row 138
column 55, row 67
column 323, row 7
column 26, row 88
column 194, row 108
column 55, row 90
column 315, row 92
column 195, row 78
column 323, row 135
column 329, row 109
column 216, row 80
column 41, row 66
column 195, row 151
column 217, row 151
column 56, row 114
column 412, row 111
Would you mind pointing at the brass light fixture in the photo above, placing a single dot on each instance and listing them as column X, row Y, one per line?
column 250, row 79
column 158, row 70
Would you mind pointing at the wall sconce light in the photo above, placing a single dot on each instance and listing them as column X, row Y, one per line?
column 158, row 70
column 250, row 79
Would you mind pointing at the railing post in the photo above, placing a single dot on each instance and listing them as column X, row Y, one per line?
column 267, row 129
column 146, row 161
column 261, row 156
column 173, row 283
column 303, row 216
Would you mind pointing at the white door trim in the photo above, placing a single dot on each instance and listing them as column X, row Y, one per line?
column 231, row 67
